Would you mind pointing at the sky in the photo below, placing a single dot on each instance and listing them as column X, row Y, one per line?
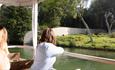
column 86, row 3
column 0, row 5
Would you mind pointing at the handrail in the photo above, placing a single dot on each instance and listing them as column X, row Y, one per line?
column 89, row 57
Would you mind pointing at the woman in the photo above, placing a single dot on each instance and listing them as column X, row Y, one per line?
column 46, row 51
column 4, row 60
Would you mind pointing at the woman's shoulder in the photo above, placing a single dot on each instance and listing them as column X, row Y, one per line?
column 46, row 44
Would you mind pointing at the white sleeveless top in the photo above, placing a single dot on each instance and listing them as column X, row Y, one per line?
column 46, row 56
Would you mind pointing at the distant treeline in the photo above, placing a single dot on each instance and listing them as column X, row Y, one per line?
column 53, row 13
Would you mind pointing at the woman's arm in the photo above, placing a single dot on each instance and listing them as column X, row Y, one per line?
column 6, row 48
column 52, row 50
column 1, row 67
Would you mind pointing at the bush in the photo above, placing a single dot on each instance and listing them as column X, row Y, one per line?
column 17, row 20
column 101, row 41
column 113, row 35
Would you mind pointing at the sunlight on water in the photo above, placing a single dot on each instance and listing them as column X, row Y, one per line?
column 77, row 69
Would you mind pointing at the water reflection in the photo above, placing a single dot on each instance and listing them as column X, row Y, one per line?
column 100, row 53
column 69, row 63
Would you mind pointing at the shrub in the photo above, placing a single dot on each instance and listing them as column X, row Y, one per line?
column 102, row 41
column 112, row 35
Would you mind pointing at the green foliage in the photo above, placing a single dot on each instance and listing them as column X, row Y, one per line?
column 81, row 40
column 52, row 11
column 103, row 35
column 95, row 14
column 17, row 20
column 112, row 35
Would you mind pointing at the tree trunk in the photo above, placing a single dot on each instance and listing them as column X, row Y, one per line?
column 108, row 26
column 88, row 30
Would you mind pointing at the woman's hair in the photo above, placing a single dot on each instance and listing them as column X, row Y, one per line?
column 48, row 36
column 3, row 35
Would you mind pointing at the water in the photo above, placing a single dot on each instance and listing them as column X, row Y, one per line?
column 100, row 53
column 26, row 53
column 69, row 63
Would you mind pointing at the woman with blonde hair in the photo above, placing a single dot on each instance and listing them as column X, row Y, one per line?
column 46, row 51
column 4, row 60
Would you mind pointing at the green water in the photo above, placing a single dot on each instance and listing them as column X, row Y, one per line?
column 68, row 63
column 100, row 53
column 26, row 53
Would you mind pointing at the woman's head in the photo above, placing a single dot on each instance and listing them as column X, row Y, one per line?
column 3, row 34
column 48, row 36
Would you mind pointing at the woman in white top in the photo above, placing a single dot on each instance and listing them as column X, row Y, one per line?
column 46, row 51
column 4, row 60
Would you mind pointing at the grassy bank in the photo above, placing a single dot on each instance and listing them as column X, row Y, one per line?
column 100, row 41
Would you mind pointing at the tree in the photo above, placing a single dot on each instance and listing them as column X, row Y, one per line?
column 110, row 20
column 97, row 11
column 52, row 11
column 80, row 10
column 17, row 20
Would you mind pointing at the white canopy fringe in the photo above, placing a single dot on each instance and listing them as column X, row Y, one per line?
column 18, row 2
